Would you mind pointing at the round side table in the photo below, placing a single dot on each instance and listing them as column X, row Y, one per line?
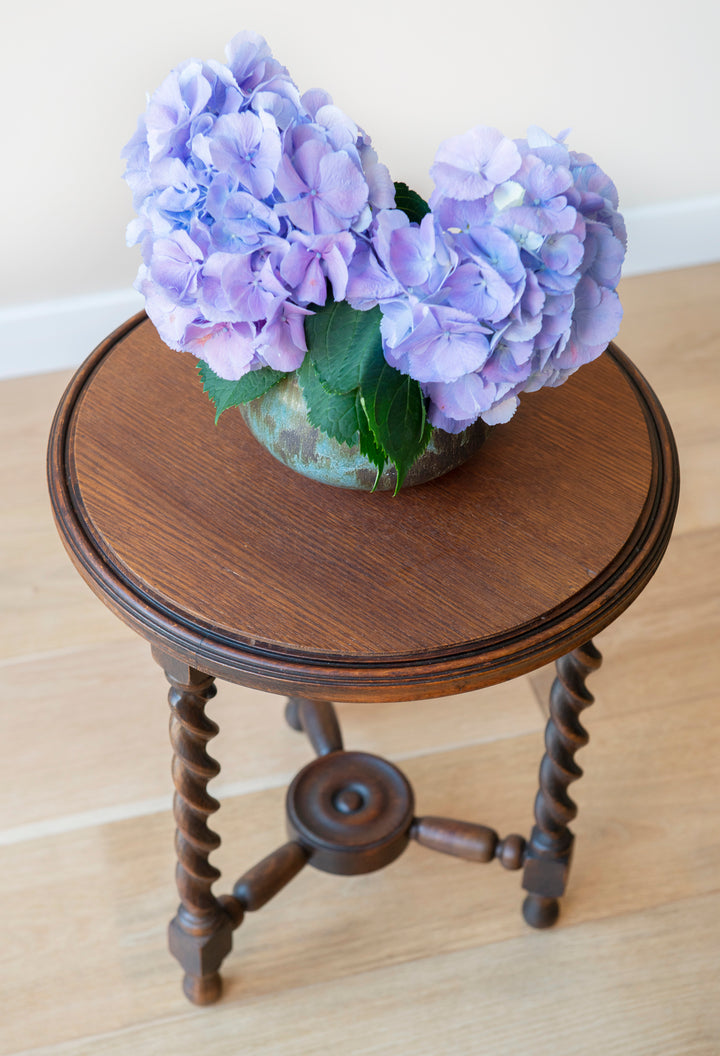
column 234, row 567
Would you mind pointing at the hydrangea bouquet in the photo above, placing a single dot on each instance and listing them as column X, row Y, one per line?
column 274, row 241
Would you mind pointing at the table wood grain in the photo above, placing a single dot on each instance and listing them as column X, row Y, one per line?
column 213, row 551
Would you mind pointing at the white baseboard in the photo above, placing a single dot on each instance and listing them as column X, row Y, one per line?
column 56, row 335
column 673, row 235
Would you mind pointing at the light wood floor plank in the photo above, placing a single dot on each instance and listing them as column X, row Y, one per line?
column 646, row 836
column 699, row 507
column 47, row 605
column 520, row 996
column 109, row 718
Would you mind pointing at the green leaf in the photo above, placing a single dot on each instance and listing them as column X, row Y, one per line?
column 395, row 407
column 368, row 445
column 335, row 414
column 226, row 394
column 414, row 207
column 343, row 344
column 353, row 394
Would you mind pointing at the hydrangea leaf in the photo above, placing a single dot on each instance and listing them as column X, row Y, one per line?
column 226, row 393
column 344, row 344
column 414, row 207
column 335, row 414
column 368, row 445
column 395, row 408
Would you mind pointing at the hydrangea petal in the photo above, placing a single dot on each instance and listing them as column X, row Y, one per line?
column 500, row 412
column 281, row 342
column 175, row 265
column 227, row 348
column 471, row 165
column 444, row 345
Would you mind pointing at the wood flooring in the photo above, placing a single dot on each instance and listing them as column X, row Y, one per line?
column 430, row 956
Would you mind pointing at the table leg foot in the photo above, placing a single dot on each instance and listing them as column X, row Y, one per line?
column 200, row 944
column 540, row 912
column 203, row 989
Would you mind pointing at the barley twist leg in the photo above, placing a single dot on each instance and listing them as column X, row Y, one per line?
column 549, row 850
column 200, row 935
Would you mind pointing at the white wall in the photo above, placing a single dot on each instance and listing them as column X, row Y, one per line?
column 638, row 83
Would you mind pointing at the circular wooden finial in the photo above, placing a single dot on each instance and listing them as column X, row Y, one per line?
column 352, row 811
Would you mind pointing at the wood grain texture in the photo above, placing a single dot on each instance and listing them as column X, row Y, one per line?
column 206, row 545
column 625, row 1001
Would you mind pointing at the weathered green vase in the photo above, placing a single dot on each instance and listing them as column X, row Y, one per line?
column 278, row 420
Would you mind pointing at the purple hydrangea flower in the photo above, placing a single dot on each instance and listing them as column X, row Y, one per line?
column 381, row 189
column 545, row 208
column 595, row 321
column 176, row 192
column 444, row 344
column 562, row 254
column 227, row 348
column 526, row 245
column 240, row 220
column 408, row 250
column 281, row 341
column 250, row 201
column 480, row 291
column 247, row 148
column 175, row 266
column 251, row 286
column 603, row 254
column 369, row 283
column 253, row 202
column 180, row 98
column 322, row 189
column 312, row 260
column 471, row 165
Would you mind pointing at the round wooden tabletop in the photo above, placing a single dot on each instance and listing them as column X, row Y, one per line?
column 221, row 556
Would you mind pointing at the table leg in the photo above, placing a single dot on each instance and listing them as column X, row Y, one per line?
column 318, row 719
column 200, row 935
column 549, row 850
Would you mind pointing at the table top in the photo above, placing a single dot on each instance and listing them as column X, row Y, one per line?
column 195, row 536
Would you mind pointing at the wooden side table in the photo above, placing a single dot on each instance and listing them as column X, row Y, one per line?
column 234, row 567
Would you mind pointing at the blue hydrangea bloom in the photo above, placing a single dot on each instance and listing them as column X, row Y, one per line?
column 528, row 243
column 254, row 201
column 250, row 200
